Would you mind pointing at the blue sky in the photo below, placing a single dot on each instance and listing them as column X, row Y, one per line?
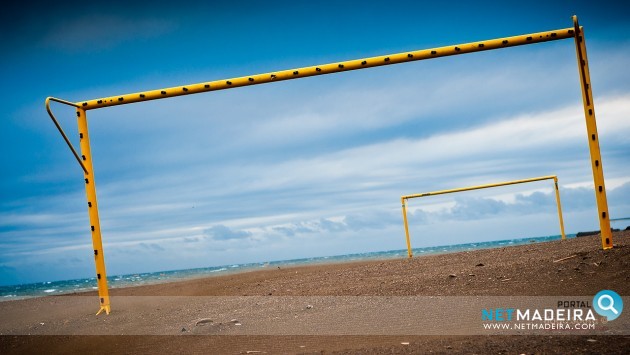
column 308, row 167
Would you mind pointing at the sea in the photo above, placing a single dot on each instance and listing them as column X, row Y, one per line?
column 48, row 288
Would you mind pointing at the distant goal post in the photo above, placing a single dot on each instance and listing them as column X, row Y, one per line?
column 404, row 198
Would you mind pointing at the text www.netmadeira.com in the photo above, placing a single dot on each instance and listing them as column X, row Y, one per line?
column 539, row 326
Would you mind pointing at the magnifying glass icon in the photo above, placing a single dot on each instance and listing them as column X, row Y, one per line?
column 610, row 306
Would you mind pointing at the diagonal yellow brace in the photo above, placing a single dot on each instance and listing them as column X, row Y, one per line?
column 63, row 134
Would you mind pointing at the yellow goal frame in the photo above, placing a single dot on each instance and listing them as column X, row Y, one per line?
column 404, row 198
column 85, row 159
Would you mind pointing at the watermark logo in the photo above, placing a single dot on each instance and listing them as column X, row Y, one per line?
column 608, row 303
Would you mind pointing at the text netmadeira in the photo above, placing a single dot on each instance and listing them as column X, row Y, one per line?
column 548, row 314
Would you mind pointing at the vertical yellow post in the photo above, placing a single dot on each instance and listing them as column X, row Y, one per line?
column 404, row 212
column 95, row 227
column 593, row 139
column 555, row 183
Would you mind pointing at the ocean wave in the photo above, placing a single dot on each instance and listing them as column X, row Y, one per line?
column 68, row 286
column 217, row 270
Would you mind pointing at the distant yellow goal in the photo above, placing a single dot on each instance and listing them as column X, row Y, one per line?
column 404, row 198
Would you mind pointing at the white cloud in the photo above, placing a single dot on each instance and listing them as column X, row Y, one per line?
column 274, row 195
column 221, row 232
column 381, row 164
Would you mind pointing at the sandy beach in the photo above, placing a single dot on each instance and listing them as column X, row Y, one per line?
column 315, row 309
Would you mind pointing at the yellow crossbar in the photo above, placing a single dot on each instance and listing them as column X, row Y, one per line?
column 329, row 68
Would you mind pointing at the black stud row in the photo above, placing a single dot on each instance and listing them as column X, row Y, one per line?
column 342, row 65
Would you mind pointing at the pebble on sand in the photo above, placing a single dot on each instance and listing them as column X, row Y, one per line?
column 203, row 321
